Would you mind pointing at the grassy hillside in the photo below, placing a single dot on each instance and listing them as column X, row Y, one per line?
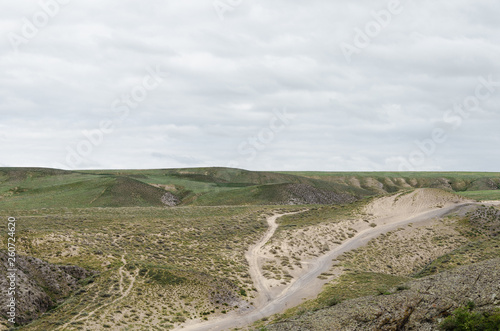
column 394, row 181
column 30, row 188
column 47, row 188
column 415, row 305
column 482, row 195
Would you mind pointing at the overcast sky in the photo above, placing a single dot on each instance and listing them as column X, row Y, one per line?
column 260, row 85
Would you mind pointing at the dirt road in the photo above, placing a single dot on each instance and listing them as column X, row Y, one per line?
column 253, row 255
column 308, row 285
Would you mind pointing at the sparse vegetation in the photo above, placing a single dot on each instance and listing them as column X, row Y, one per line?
column 482, row 195
column 444, row 245
column 348, row 286
column 465, row 319
column 155, row 266
column 184, row 260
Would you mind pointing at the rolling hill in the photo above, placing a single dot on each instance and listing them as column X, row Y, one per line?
column 28, row 188
column 166, row 248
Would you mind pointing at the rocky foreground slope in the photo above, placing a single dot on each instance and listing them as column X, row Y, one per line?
column 465, row 240
column 40, row 285
column 419, row 305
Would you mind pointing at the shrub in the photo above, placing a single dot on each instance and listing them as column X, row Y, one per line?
column 464, row 319
column 332, row 302
column 402, row 287
column 383, row 291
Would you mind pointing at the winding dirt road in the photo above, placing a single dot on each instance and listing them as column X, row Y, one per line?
column 253, row 256
column 308, row 285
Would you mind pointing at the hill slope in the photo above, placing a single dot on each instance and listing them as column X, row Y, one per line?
column 418, row 305
column 41, row 285
column 162, row 267
column 28, row 188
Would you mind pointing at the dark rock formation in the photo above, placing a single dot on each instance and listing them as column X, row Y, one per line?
column 40, row 285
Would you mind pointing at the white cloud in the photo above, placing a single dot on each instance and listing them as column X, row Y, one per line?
column 225, row 79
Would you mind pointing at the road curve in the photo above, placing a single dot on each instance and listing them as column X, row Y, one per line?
column 253, row 255
column 308, row 285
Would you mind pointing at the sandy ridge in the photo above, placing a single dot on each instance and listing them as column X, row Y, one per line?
column 389, row 214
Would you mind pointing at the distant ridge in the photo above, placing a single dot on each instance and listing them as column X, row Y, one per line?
column 31, row 188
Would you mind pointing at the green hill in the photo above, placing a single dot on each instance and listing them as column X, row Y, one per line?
column 32, row 188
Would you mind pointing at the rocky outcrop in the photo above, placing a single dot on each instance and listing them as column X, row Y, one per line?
column 170, row 200
column 39, row 285
column 420, row 305
column 304, row 194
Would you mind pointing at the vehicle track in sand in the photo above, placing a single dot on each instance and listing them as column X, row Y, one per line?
column 123, row 293
column 255, row 253
column 308, row 285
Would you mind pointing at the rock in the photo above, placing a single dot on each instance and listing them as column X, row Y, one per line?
column 170, row 200
column 421, row 307
column 40, row 285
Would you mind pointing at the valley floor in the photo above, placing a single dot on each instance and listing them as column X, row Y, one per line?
column 219, row 268
column 414, row 211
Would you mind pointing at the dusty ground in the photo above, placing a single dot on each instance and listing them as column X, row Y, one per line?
column 405, row 250
column 286, row 266
column 419, row 305
column 294, row 262
column 288, row 255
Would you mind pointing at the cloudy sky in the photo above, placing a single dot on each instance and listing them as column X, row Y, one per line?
column 260, row 85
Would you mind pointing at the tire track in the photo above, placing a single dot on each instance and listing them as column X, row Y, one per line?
column 123, row 293
column 308, row 284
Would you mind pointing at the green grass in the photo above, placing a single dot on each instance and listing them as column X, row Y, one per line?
column 254, row 195
column 31, row 188
column 465, row 318
column 348, row 286
column 162, row 275
column 358, row 284
column 200, row 179
column 406, row 174
column 482, row 195
column 46, row 189
column 472, row 252
column 481, row 227
column 391, row 181
column 190, row 260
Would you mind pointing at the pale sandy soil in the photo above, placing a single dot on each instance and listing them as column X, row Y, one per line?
column 406, row 250
column 289, row 255
column 392, row 208
column 285, row 267
column 491, row 202
column 126, row 283
column 255, row 256
column 311, row 251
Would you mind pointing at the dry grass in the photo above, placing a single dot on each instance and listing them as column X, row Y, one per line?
column 406, row 250
column 158, row 267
